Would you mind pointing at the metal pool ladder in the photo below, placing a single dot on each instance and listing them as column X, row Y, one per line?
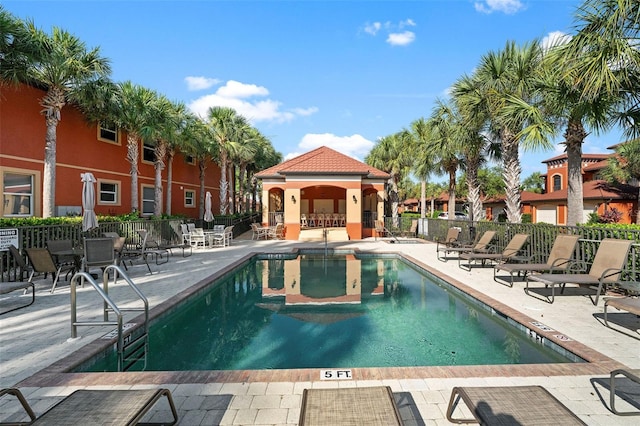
column 131, row 344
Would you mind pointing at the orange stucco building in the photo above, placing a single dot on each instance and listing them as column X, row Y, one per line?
column 83, row 147
column 323, row 185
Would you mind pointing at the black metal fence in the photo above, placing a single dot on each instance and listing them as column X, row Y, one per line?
column 167, row 231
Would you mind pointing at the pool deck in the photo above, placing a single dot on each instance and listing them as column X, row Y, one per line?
column 35, row 348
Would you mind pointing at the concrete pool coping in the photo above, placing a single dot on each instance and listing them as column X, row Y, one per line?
column 60, row 373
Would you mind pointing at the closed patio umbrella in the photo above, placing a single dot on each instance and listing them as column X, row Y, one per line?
column 208, row 216
column 89, row 219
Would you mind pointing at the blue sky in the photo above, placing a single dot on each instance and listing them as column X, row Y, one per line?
column 309, row 73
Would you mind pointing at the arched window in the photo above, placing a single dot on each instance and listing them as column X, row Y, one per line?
column 557, row 182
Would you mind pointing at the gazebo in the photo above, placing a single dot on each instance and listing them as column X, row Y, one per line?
column 323, row 189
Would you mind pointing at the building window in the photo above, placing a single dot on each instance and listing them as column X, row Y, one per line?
column 190, row 159
column 189, row 198
column 108, row 133
column 148, row 152
column 108, row 192
column 557, row 182
column 17, row 191
column 148, row 200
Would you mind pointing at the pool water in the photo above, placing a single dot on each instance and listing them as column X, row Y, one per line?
column 336, row 311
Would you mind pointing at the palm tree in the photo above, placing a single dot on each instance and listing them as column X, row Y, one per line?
column 424, row 164
column 562, row 103
column 444, row 146
column 63, row 66
column 18, row 49
column 504, row 79
column 389, row 155
column 200, row 143
column 225, row 125
column 131, row 110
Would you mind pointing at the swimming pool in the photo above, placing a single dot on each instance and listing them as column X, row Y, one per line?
column 335, row 311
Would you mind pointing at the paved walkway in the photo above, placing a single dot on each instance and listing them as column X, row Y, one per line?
column 34, row 338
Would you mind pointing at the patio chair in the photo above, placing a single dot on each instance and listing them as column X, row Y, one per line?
column 143, row 252
column 607, row 265
column 197, row 238
column 413, row 229
column 511, row 405
column 369, row 406
column 259, row 231
column 480, row 246
column 42, row 262
column 98, row 407
column 510, row 251
column 98, row 253
column 10, row 287
column 228, row 235
column 118, row 244
column 450, row 240
column 62, row 246
column 633, row 376
column 23, row 268
column 276, row 232
column 558, row 260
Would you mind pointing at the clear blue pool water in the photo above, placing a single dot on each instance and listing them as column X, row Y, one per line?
column 336, row 311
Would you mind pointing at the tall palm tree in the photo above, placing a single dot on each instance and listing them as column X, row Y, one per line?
column 18, row 49
column 424, row 163
column 63, row 66
column 445, row 147
column 131, row 110
column 389, row 155
column 226, row 125
column 504, row 79
column 199, row 143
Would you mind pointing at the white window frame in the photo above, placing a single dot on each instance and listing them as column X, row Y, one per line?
column 115, row 130
column 142, row 199
column 147, row 146
column 192, row 198
column 31, row 195
column 118, row 186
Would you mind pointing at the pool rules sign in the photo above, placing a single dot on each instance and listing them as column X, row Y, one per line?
column 8, row 237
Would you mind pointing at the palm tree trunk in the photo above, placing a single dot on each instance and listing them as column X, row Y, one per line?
column 452, row 194
column 574, row 137
column 473, row 185
column 231, row 168
column 158, row 165
column 49, row 174
column 511, row 175
column 132, row 158
column 170, row 154
column 423, row 198
column 242, row 197
column 224, row 186
column 202, row 165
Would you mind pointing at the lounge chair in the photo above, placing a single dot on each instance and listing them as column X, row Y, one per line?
column 557, row 261
column 369, row 406
column 511, row 405
column 42, row 262
column 634, row 376
column 630, row 304
column 125, row 407
column 451, row 240
column 143, row 252
column 413, row 229
column 510, row 252
column 607, row 265
column 480, row 246
column 10, row 287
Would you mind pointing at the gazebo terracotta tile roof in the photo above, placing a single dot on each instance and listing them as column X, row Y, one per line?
column 584, row 157
column 322, row 161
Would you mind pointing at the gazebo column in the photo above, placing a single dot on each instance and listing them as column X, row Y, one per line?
column 265, row 207
column 354, row 213
column 292, row 198
column 380, row 206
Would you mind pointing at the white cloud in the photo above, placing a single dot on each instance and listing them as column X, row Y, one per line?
column 241, row 97
column 401, row 39
column 372, row 28
column 508, row 7
column 395, row 35
column 554, row 38
column 355, row 146
column 200, row 83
